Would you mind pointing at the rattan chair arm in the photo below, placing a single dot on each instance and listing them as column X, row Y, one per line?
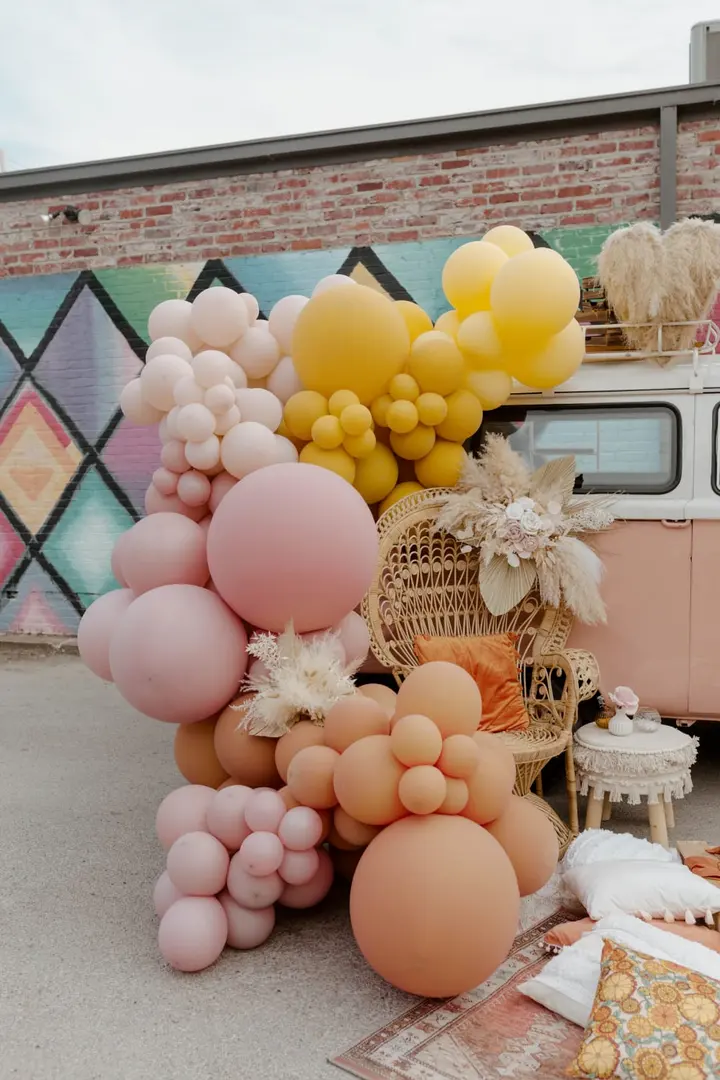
column 542, row 702
column 586, row 671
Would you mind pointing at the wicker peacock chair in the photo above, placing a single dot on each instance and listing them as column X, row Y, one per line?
column 425, row 585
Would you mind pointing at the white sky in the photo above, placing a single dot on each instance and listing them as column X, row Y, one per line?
column 105, row 78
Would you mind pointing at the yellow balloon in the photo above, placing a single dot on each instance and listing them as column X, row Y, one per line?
column 350, row 339
column 479, row 343
column 442, row 466
column 340, row 401
column 468, row 276
column 359, row 446
column 379, row 409
column 416, row 320
column 301, row 412
column 404, row 388
column 415, row 444
column 536, row 294
column 491, row 388
column 432, row 409
column 327, row 433
column 463, row 419
column 409, row 487
column 554, row 362
column 337, row 461
column 449, row 323
column 377, row 474
column 402, row 416
column 285, row 431
column 510, row 239
column 436, row 363
column 355, row 419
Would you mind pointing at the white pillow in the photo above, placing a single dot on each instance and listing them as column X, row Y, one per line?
column 568, row 983
column 601, row 845
column 657, row 890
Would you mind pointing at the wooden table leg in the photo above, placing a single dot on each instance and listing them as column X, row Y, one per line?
column 607, row 808
column 658, row 824
column 669, row 813
column 593, row 819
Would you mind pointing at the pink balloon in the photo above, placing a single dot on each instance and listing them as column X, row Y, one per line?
column 250, row 891
column 205, row 525
column 193, row 488
column 306, row 896
column 226, row 815
column 247, row 927
column 301, row 828
column 164, row 481
column 193, row 933
column 221, row 484
column 355, row 639
column 155, row 503
column 173, row 457
column 165, row 894
column 165, row 549
column 258, row 670
column 264, row 812
column 197, row 864
column 116, row 559
column 97, row 627
column 178, row 654
column 292, row 542
column 261, row 854
column 183, row 811
column 299, row 867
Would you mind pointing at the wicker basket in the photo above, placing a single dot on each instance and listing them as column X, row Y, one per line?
column 598, row 318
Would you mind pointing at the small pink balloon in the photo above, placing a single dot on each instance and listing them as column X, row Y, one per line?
column 193, row 488
column 155, row 503
column 247, row 927
column 193, row 933
column 284, row 381
column 306, row 896
column 183, row 811
column 264, row 812
column 165, row 549
column 116, row 559
column 299, row 867
column 205, row 525
column 197, row 864
column 226, row 816
column 165, row 482
column 261, row 853
column 173, row 457
column 250, row 891
column 221, row 484
column 165, row 894
column 355, row 639
column 97, row 627
column 301, row 828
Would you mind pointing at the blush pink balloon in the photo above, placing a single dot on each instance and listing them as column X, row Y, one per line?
column 301, row 828
column 178, row 654
column 183, row 811
column 306, row 896
column 205, row 525
column 293, row 542
column 355, row 639
column 193, row 933
column 173, row 457
column 194, row 488
column 264, row 812
column 250, row 891
column 226, row 815
column 221, row 484
column 165, row 549
column 261, row 854
column 155, row 503
column 97, row 627
column 197, row 864
column 299, row 867
column 258, row 670
column 247, row 927
column 165, row 894
column 164, row 481
column 116, row 559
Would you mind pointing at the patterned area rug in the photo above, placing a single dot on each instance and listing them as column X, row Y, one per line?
column 492, row 1033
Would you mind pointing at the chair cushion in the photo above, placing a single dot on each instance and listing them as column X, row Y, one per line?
column 492, row 660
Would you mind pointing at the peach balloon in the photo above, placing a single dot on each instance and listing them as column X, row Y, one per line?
column 164, row 894
column 251, row 306
column 306, row 896
column 422, row 789
column 165, row 549
column 158, row 379
column 171, row 319
column 310, row 776
column 205, row 456
column 193, row 488
column 164, row 481
column 354, row 638
column 366, row 781
column 247, row 928
column 193, row 933
column 195, row 755
column 300, row 735
column 530, row 842
column 173, row 457
column 385, row 697
column 444, row 692
column 352, row 831
column 155, row 503
column 226, row 813
column 257, row 352
column 97, row 627
column 456, row 798
column 492, row 782
column 182, row 811
column 246, row 448
column 134, row 406
column 197, row 864
column 416, row 740
column 337, row 841
column 252, row 892
column 221, row 484
column 460, row 757
column 434, row 905
column 284, row 380
column 354, row 718
column 248, row 758
column 219, row 316
column 289, row 799
column 282, row 320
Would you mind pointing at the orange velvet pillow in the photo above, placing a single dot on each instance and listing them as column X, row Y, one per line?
column 492, row 660
column 570, row 932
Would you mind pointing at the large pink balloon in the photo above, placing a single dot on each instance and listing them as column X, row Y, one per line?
column 97, row 627
column 292, row 542
column 184, row 810
column 164, row 549
column 116, row 559
column 178, row 654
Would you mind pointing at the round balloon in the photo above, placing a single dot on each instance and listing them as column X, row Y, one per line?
column 165, row 549
column 530, row 842
column 193, row 932
column 195, row 755
column 535, row 294
column 97, row 627
column 510, row 239
column 468, row 276
column 248, row 758
column 554, row 362
column 446, row 694
column 219, row 316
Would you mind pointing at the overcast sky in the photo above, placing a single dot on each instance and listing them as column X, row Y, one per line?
column 105, row 78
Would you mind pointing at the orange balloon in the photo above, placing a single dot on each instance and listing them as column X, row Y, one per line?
column 434, row 905
column 354, row 718
column 530, row 842
column 457, row 796
column 249, row 759
column 351, row 831
column 460, row 757
column 366, row 781
column 288, row 798
column 445, row 693
column 310, row 776
column 491, row 784
column 229, row 783
column 337, row 841
column 422, row 789
column 415, row 740
column 384, row 696
column 195, row 754
column 302, row 734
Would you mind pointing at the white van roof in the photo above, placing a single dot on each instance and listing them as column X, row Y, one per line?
column 634, row 377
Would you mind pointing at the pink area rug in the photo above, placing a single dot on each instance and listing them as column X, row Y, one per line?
column 491, row 1033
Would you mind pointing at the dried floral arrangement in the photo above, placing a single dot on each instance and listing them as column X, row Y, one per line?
column 526, row 526
column 303, row 678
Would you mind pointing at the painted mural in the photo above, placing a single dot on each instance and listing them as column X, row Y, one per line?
column 73, row 471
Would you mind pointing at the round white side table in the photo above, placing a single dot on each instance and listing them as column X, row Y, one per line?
column 654, row 766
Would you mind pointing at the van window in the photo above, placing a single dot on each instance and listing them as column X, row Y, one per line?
column 619, row 449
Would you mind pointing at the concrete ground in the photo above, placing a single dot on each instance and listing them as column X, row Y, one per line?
column 84, row 994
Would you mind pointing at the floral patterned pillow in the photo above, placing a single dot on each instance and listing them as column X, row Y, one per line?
column 651, row 1020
